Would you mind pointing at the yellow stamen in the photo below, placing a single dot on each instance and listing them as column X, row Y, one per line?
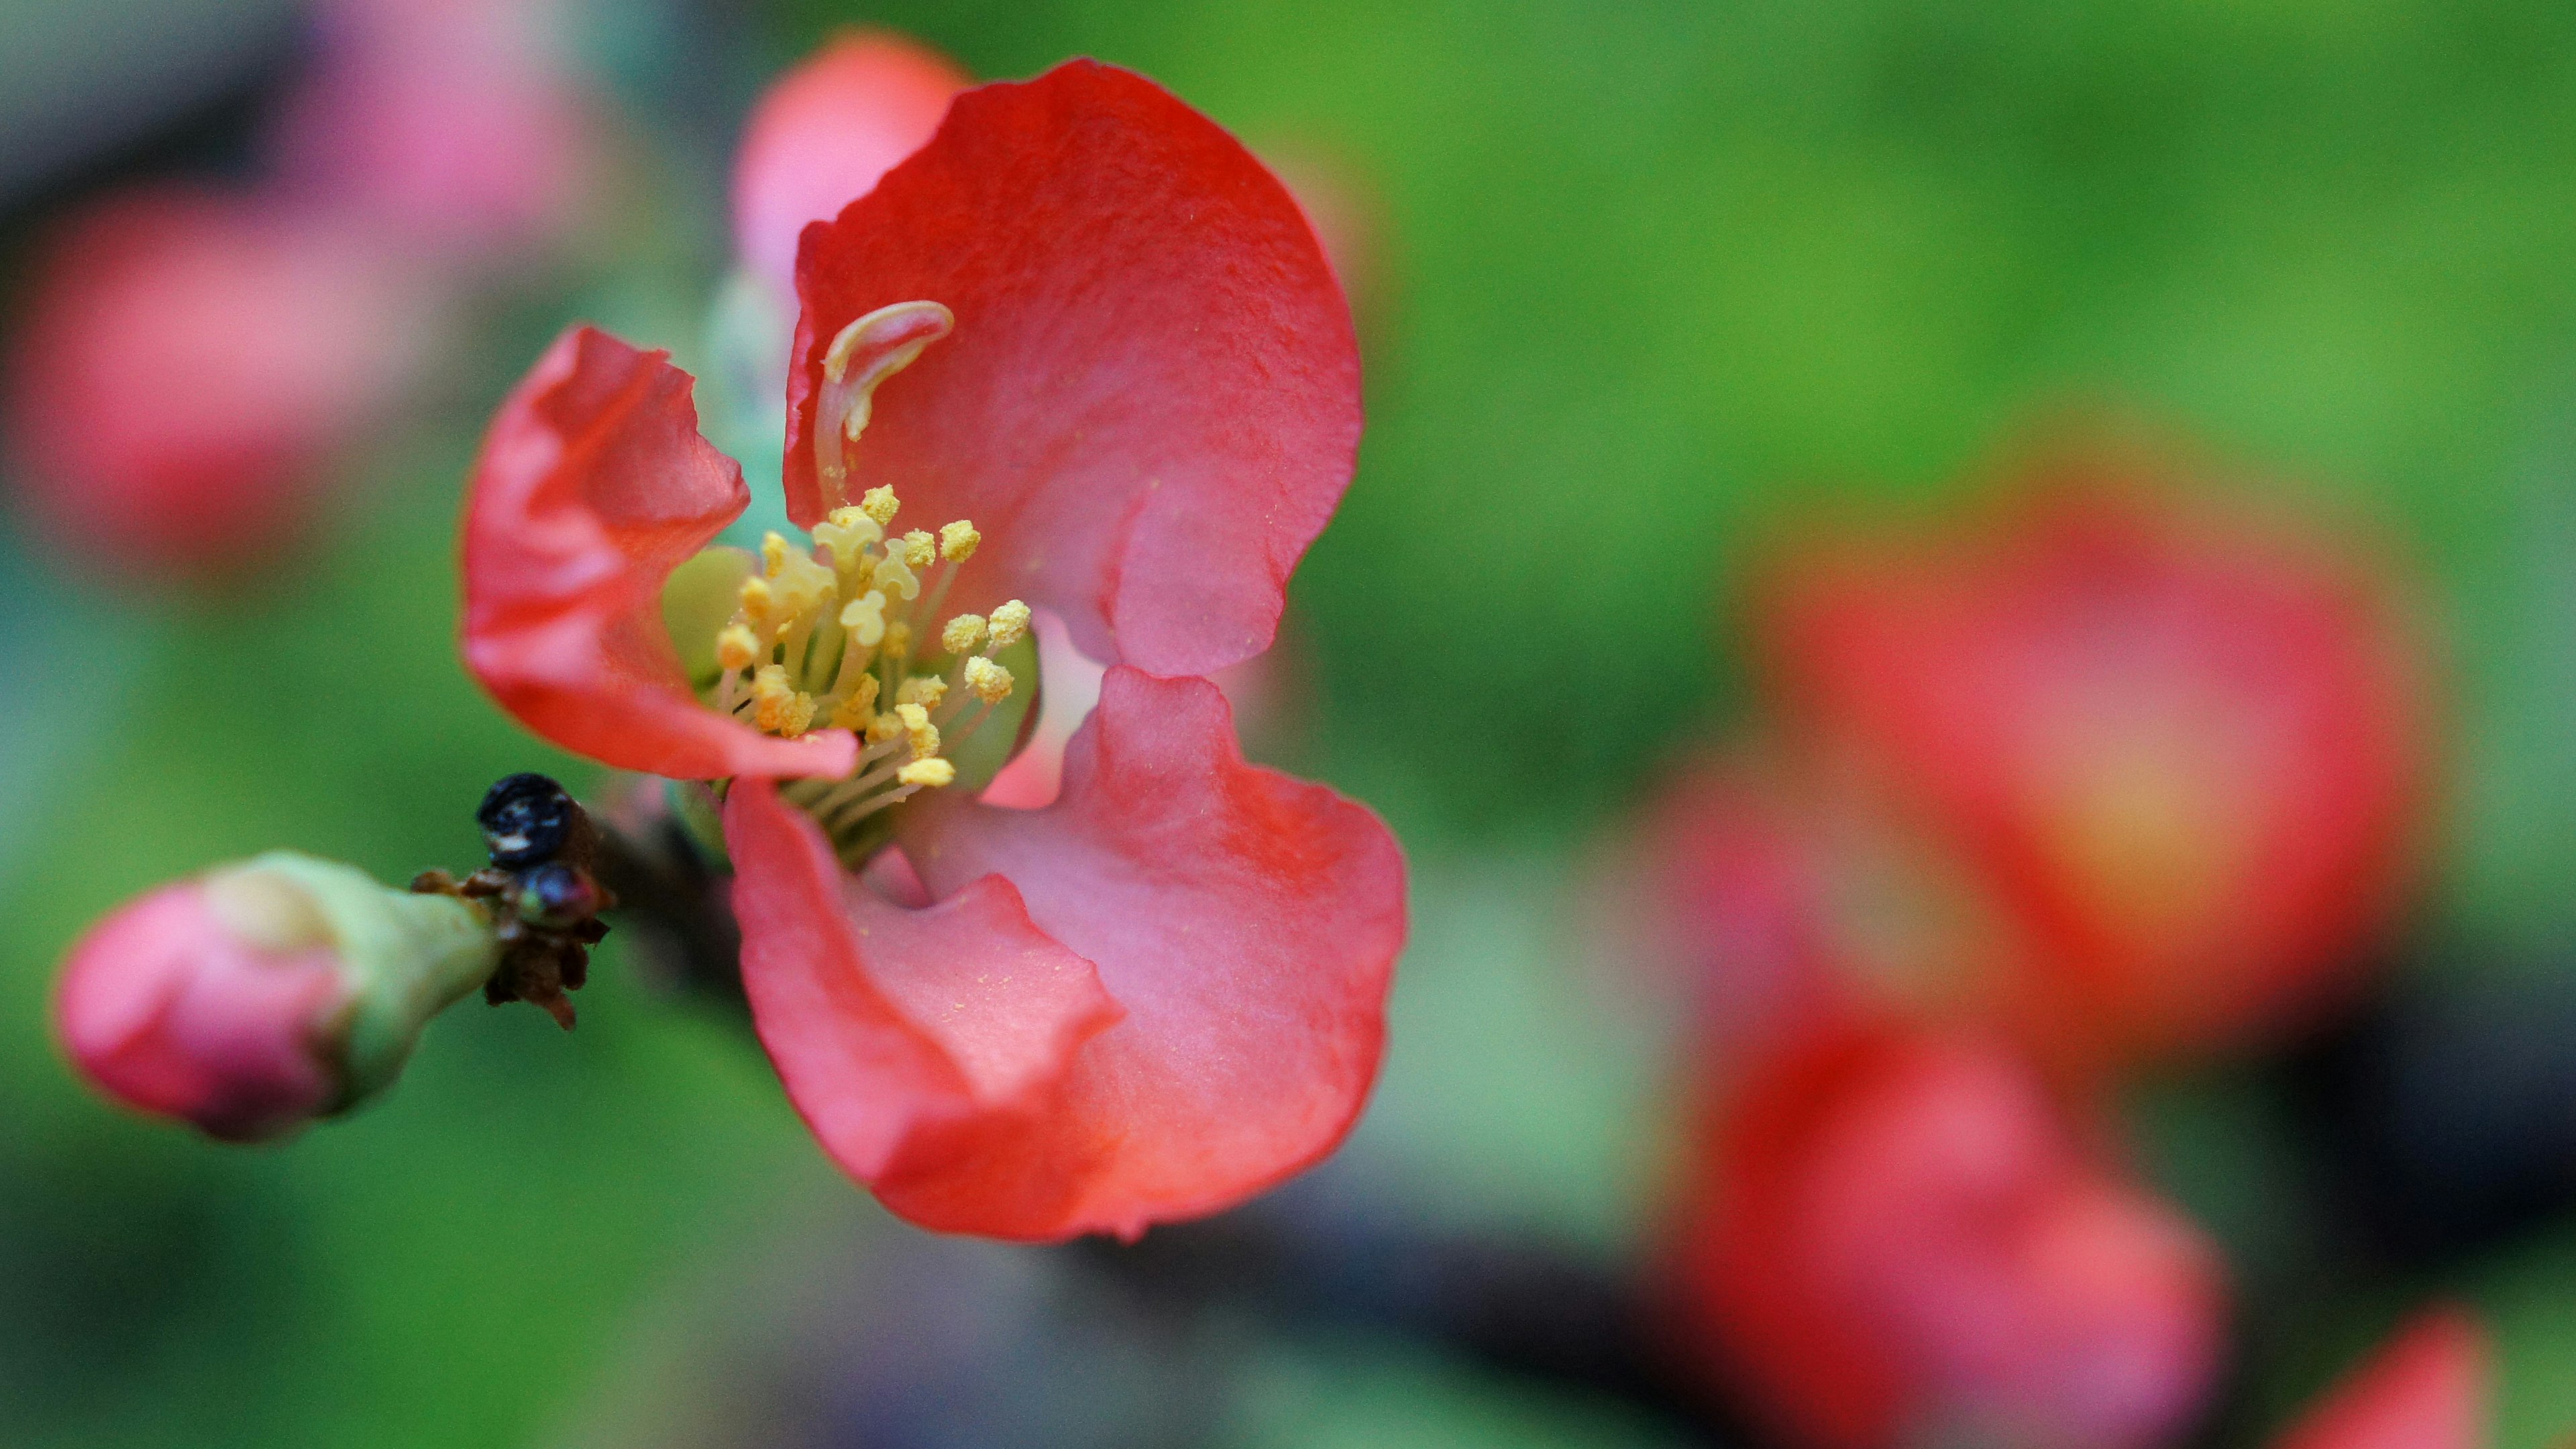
column 918, row 550
column 865, row 618
column 957, row 541
column 859, row 711
column 896, row 579
column 773, row 553
column 879, row 505
column 1009, row 623
column 990, row 681
column 918, row 731
column 922, row 689
column 933, row 773
column 757, row 599
column 883, row 728
column 961, row 633
column 736, row 647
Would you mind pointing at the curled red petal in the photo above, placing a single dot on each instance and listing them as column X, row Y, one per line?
column 592, row 487
column 1246, row 924
column 896, row 1029
column 823, row 133
column 2427, row 1390
column 1150, row 405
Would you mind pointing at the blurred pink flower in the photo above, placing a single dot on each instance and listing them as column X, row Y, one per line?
column 1890, row 1237
column 166, row 1007
column 457, row 125
column 187, row 363
column 823, row 133
column 2427, row 1389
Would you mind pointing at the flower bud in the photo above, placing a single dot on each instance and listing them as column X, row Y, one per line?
column 260, row 996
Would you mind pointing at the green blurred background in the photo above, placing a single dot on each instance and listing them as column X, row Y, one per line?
column 1648, row 278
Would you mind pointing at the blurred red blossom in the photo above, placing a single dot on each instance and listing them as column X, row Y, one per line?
column 2427, row 1389
column 188, row 364
column 1889, row 1237
column 1164, row 991
column 458, row 127
column 824, row 132
column 2186, row 749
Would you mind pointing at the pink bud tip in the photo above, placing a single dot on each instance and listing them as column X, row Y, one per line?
column 167, row 1009
column 823, row 133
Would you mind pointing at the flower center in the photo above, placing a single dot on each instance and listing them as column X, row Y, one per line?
column 836, row 635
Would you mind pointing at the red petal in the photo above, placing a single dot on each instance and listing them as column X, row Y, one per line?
column 592, row 487
column 893, row 1027
column 824, row 132
column 1150, row 405
column 1246, row 923
column 2427, row 1390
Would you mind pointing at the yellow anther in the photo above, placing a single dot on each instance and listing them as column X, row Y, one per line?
column 859, row 711
column 736, row 647
column 990, row 681
column 898, row 639
column 1010, row 622
column 879, row 504
column 957, row 541
column 918, row 550
column 933, row 773
column 926, row 690
column 865, row 618
column 778, row 706
column 773, row 553
column 896, row 579
column 883, row 728
column 961, row 633
column 757, row 600
column 918, row 731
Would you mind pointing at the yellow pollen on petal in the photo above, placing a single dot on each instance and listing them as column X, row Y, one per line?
column 933, row 773
column 925, row 690
column 918, row 731
column 990, row 681
column 1010, row 621
column 736, row 647
column 961, row 633
column 879, row 504
column 957, row 541
column 918, row 550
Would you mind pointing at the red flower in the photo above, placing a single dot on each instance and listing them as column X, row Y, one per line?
column 2426, row 1390
column 1163, row 992
column 823, row 134
column 1891, row 1239
column 189, row 363
column 2188, row 754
